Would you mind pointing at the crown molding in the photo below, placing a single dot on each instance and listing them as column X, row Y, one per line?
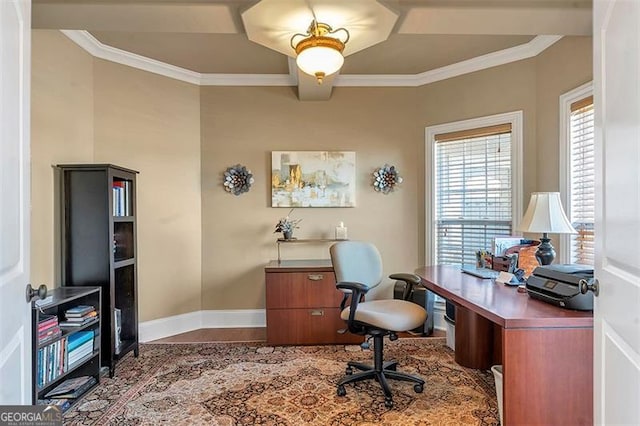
column 524, row 51
column 92, row 45
column 493, row 59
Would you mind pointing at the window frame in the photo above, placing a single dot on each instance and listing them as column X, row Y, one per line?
column 565, row 101
column 514, row 118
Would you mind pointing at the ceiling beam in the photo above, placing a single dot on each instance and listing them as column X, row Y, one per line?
column 514, row 20
column 310, row 90
column 156, row 16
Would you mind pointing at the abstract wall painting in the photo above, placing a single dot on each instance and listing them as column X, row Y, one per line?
column 313, row 179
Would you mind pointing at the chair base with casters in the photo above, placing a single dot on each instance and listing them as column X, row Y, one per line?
column 358, row 268
column 380, row 371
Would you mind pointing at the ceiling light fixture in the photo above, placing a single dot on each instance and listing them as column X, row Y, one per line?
column 320, row 50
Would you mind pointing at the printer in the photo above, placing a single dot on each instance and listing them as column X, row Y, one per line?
column 559, row 285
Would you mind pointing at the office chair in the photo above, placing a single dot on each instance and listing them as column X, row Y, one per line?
column 358, row 268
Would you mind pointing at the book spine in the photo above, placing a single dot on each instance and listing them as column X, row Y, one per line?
column 86, row 347
column 85, row 337
column 80, row 353
column 47, row 324
column 39, row 369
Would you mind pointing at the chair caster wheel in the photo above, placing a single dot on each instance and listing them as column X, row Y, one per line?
column 348, row 371
column 388, row 402
column 418, row 388
column 341, row 391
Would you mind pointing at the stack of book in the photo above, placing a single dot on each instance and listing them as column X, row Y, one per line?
column 79, row 316
column 48, row 328
column 79, row 345
column 71, row 388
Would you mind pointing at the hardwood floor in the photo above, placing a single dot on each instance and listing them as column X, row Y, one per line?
column 218, row 335
column 204, row 335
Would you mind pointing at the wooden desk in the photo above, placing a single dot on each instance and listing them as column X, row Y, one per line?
column 546, row 351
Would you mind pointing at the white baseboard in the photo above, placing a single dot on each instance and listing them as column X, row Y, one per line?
column 170, row 326
column 232, row 318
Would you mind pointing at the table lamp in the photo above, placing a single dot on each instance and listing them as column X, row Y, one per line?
column 545, row 214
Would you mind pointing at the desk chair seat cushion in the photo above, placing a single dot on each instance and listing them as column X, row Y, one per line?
column 392, row 315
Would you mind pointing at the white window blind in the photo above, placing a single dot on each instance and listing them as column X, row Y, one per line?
column 582, row 181
column 473, row 192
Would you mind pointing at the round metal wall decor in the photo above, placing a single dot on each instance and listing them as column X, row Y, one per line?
column 386, row 178
column 237, row 179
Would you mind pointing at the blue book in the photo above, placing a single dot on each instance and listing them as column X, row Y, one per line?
column 79, row 310
column 77, row 339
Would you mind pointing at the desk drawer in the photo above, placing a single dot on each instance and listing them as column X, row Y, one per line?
column 302, row 290
column 313, row 326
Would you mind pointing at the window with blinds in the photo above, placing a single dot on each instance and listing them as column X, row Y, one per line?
column 582, row 181
column 473, row 192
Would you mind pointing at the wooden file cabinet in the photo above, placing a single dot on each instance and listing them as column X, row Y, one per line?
column 303, row 304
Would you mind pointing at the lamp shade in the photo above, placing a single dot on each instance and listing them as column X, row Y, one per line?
column 545, row 214
column 323, row 60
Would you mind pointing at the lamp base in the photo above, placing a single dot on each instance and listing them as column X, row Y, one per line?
column 545, row 253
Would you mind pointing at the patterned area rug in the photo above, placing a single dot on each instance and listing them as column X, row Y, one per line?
column 255, row 384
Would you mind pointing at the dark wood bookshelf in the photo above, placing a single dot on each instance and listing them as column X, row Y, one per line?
column 98, row 235
column 59, row 300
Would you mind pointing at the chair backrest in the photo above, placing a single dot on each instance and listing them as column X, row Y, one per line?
column 357, row 261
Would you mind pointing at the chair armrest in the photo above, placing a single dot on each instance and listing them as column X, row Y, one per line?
column 357, row 291
column 411, row 280
column 353, row 286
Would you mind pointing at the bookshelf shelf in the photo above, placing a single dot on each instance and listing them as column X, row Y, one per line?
column 50, row 365
column 99, row 247
column 66, row 331
column 123, row 219
column 123, row 263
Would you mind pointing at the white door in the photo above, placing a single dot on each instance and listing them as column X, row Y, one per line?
column 617, row 143
column 15, row 74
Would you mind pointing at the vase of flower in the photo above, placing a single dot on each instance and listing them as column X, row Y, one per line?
column 286, row 225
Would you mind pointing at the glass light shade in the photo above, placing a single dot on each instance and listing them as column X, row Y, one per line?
column 319, row 59
column 545, row 214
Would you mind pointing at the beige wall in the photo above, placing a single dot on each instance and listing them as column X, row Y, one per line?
column 243, row 125
column 61, row 132
column 87, row 110
column 202, row 248
column 151, row 124
column 561, row 68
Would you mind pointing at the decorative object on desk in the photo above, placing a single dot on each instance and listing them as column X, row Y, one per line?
column 502, row 244
column 527, row 260
column 286, row 225
column 386, row 178
column 313, row 179
column 341, row 232
column 237, row 179
column 545, row 215
column 483, row 259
